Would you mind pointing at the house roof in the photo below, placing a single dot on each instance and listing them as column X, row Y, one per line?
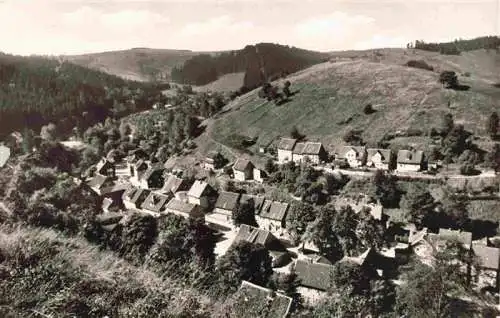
column 253, row 235
column 463, row 237
column 274, row 210
column 312, row 148
column 180, row 206
column 313, row 275
column 299, row 148
column 109, row 218
column 135, row 195
column 4, row 155
column 141, row 163
column 174, row 184
column 109, row 203
column 287, row 143
column 410, row 157
column 103, row 165
column 489, row 257
column 384, row 153
column 242, row 164
column 199, row 189
column 157, row 168
column 274, row 305
column 359, row 150
column 227, row 201
column 98, row 181
column 154, row 202
column 257, row 201
column 361, row 259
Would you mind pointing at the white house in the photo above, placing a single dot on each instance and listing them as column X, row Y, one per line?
column 285, row 149
column 355, row 156
column 410, row 161
column 271, row 216
column 309, row 151
column 200, row 194
column 183, row 209
column 243, row 169
column 226, row 204
column 379, row 158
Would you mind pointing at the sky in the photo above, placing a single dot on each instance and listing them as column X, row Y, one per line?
column 54, row 27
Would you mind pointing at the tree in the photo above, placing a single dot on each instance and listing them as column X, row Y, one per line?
column 124, row 130
column 455, row 208
column 370, row 232
column 270, row 166
column 449, row 79
column 139, row 234
column 27, row 143
column 417, row 204
column 447, row 124
column 345, row 222
column 245, row 214
column 244, row 261
column 298, row 218
column 350, row 278
column 295, row 134
column 493, row 158
column 386, row 189
column 353, row 137
column 492, row 125
column 324, row 236
column 456, row 142
column 368, row 109
column 49, row 132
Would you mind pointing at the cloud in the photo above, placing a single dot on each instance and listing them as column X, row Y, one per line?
column 338, row 22
column 381, row 41
column 214, row 26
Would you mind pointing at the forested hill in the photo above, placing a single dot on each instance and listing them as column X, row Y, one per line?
column 261, row 62
column 36, row 90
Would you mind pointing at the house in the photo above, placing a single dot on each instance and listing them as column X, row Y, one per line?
column 410, row 161
column 313, row 152
column 355, row 156
column 4, row 155
column 155, row 203
column 259, row 175
column 174, row 184
column 258, row 202
column 100, row 183
column 265, row 238
column 213, row 161
column 379, row 158
column 360, row 203
column 152, row 178
column 183, row 209
column 227, row 203
column 272, row 216
column 314, row 279
column 255, row 298
column 106, row 168
column 489, row 264
column 137, row 169
column 133, row 197
column 285, row 149
column 243, row 169
column 372, row 262
column 200, row 193
column 110, row 205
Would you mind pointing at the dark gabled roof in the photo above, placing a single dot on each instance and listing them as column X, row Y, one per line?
column 180, row 206
column 384, row 153
column 242, row 164
column 136, row 154
column 286, row 143
column 103, row 165
column 271, row 304
column 154, row 202
column 410, row 157
column 199, row 189
column 227, row 201
column 98, row 181
column 135, row 195
column 174, row 184
column 274, row 210
column 257, row 201
column 359, row 150
column 489, row 257
column 312, row 148
column 313, row 275
column 157, row 168
column 299, row 148
column 463, row 237
column 254, row 235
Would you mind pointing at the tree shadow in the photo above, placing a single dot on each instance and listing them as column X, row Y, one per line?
column 460, row 87
column 283, row 101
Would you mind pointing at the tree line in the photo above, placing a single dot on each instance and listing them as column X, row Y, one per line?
column 458, row 46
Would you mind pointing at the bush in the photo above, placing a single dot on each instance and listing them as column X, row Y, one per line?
column 368, row 109
column 419, row 64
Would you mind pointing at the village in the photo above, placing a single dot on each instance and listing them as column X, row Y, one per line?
column 134, row 184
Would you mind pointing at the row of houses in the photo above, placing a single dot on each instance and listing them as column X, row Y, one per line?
column 290, row 150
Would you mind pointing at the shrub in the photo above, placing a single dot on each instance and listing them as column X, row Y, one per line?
column 368, row 109
column 419, row 64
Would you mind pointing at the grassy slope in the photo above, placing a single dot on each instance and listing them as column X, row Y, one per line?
column 131, row 64
column 403, row 97
column 225, row 83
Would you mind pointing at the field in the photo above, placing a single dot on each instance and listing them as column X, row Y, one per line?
column 225, row 83
column 330, row 99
